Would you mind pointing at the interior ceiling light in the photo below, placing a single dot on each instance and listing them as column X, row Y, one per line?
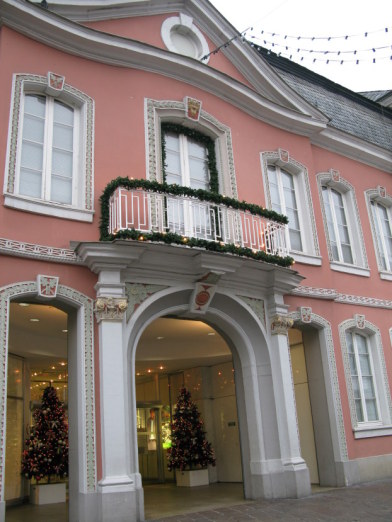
column 65, row 331
column 33, row 320
column 211, row 333
column 23, row 304
column 63, row 364
column 160, row 337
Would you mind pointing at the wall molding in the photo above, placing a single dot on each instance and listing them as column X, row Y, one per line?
column 333, row 295
column 12, row 247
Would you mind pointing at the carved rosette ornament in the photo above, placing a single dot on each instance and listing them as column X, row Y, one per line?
column 280, row 324
column 110, row 308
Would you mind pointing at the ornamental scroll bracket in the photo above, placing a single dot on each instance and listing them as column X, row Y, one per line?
column 110, row 308
column 280, row 324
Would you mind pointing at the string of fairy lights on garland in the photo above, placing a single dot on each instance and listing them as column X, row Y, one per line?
column 173, row 238
column 288, row 46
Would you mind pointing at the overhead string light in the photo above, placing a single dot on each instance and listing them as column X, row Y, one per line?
column 284, row 47
column 328, row 38
column 241, row 36
column 326, row 56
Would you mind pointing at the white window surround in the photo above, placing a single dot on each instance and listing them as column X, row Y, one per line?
column 174, row 112
column 81, row 208
column 311, row 252
column 383, row 426
column 360, row 265
column 379, row 195
column 180, row 35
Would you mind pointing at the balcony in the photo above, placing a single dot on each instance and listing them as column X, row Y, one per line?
column 146, row 210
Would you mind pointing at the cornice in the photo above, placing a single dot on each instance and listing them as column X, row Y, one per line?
column 331, row 294
column 67, row 36
column 249, row 63
column 354, row 148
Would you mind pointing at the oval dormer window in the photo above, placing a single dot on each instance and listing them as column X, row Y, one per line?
column 180, row 35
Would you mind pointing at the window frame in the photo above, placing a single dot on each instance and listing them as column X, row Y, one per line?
column 379, row 195
column 333, row 180
column 158, row 112
column 382, row 426
column 81, row 208
column 310, row 253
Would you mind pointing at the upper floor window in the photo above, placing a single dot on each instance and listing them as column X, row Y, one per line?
column 287, row 192
column 181, row 35
column 186, row 161
column 383, row 234
column 50, row 163
column 346, row 247
column 366, row 376
column 198, row 153
column 187, row 155
column 380, row 210
column 48, row 155
column 337, row 225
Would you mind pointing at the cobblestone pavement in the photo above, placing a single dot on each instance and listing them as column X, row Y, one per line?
column 370, row 502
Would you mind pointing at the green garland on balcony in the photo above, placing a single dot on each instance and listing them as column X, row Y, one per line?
column 171, row 238
column 213, row 246
column 197, row 136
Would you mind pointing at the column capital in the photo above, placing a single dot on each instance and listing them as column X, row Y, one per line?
column 110, row 308
column 280, row 324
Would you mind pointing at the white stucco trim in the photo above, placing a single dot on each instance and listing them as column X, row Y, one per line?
column 83, row 457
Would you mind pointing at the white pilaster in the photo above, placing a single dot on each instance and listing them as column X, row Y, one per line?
column 297, row 480
column 120, row 490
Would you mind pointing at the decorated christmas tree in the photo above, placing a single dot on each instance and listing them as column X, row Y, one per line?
column 189, row 447
column 46, row 452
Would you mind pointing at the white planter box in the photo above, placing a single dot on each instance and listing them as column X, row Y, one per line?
column 48, row 493
column 195, row 477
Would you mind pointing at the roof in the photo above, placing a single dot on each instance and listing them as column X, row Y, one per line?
column 350, row 112
column 375, row 95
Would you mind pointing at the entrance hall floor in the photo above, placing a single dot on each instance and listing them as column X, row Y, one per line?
column 369, row 502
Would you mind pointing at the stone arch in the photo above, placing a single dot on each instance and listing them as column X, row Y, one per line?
column 80, row 307
column 248, row 340
column 319, row 333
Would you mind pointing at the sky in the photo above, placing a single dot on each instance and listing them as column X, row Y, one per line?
column 316, row 31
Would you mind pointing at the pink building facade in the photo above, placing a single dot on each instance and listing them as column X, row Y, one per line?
column 129, row 148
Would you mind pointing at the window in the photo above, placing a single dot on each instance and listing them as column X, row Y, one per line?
column 283, row 199
column 186, row 164
column 180, row 35
column 362, row 379
column 50, row 163
column 287, row 191
column 383, row 234
column 346, row 247
column 338, row 232
column 366, row 377
column 48, row 156
column 380, row 214
column 159, row 113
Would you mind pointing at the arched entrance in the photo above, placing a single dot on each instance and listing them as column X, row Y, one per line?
column 268, row 468
column 181, row 352
column 79, row 311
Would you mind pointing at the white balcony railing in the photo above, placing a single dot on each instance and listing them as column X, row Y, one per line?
column 147, row 211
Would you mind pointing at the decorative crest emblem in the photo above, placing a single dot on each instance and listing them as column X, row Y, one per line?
column 47, row 286
column 192, row 108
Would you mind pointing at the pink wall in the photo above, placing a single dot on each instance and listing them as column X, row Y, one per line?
column 120, row 150
column 148, row 29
